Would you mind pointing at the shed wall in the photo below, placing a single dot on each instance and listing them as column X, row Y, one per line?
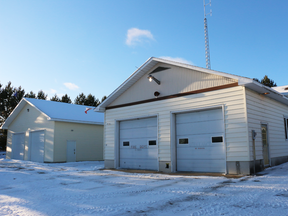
column 261, row 109
column 31, row 121
column 234, row 113
column 88, row 137
column 173, row 81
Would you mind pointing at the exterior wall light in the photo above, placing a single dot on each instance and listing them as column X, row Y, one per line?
column 150, row 78
column 266, row 93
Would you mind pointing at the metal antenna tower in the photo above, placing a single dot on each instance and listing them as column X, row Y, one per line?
column 207, row 50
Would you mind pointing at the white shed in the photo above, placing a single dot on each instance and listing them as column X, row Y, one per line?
column 49, row 131
column 193, row 119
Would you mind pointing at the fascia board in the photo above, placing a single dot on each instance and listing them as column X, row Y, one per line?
column 200, row 69
column 75, row 121
column 273, row 94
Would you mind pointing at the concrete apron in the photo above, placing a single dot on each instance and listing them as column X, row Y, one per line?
column 177, row 173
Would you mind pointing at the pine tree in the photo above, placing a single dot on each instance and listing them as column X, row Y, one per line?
column 66, row 99
column 31, row 94
column 55, row 98
column 103, row 98
column 91, row 101
column 80, row 99
column 266, row 81
column 41, row 95
column 9, row 98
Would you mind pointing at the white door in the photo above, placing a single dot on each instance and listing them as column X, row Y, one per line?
column 138, row 144
column 18, row 143
column 37, row 146
column 71, row 151
column 200, row 141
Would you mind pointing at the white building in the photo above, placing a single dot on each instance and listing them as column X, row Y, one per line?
column 193, row 119
column 49, row 131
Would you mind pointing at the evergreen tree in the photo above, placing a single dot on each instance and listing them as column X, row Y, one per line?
column 266, row 81
column 9, row 98
column 80, row 99
column 103, row 98
column 41, row 95
column 31, row 94
column 66, row 99
column 55, row 98
column 91, row 101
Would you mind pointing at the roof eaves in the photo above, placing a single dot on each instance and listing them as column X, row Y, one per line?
column 204, row 70
column 76, row 121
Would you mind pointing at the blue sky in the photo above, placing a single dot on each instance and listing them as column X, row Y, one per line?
column 92, row 46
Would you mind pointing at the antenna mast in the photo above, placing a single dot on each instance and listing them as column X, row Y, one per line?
column 207, row 50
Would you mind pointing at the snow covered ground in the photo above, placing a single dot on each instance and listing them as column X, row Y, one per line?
column 82, row 188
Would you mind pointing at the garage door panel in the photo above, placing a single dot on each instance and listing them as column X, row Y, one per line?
column 144, row 123
column 135, row 151
column 139, row 164
column 199, row 165
column 207, row 115
column 200, row 141
column 138, row 132
column 195, row 128
column 137, row 154
column 213, row 152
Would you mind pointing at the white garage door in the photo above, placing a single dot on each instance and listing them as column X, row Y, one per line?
column 138, row 144
column 37, row 146
column 200, row 141
column 18, row 143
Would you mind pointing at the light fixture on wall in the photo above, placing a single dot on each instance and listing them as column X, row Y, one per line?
column 265, row 93
column 150, row 78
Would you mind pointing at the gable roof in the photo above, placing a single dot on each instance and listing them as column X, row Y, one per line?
column 58, row 111
column 151, row 62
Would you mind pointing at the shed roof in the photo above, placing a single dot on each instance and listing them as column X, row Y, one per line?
column 57, row 111
column 151, row 62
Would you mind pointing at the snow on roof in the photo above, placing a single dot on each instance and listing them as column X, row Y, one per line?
column 282, row 89
column 58, row 111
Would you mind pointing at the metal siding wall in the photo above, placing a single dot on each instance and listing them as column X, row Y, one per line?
column 89, row 141
column 261, row 109
column 235, row 123
column 173, row 81
column 31, row 121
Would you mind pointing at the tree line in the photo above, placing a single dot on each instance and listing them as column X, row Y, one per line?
column 10, row 96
